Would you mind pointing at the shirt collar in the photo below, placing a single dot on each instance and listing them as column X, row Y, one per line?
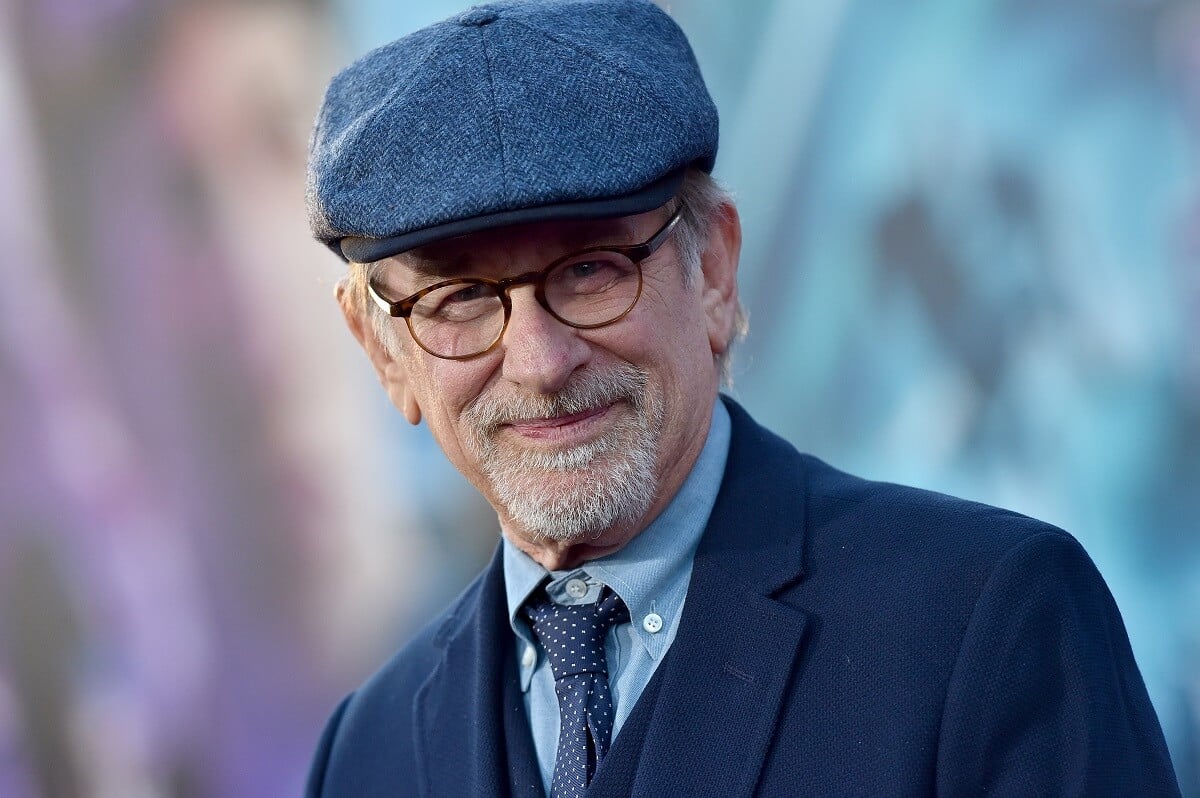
column 651, row 572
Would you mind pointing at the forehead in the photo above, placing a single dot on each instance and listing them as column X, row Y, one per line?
column 504, row 246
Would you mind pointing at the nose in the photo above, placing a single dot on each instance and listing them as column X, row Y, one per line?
column 540, row 352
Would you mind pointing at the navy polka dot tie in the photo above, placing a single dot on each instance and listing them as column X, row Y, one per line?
column 573, row 638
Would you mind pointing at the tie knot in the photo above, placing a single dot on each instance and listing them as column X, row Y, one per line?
column 573, row 634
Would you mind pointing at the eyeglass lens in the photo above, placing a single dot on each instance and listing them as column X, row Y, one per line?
column 466, row 317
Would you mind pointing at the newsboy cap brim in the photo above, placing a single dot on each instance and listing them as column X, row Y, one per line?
column 513, row 112
column 657, row 194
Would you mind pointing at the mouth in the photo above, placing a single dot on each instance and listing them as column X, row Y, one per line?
column 570, row 428
column 591, row 415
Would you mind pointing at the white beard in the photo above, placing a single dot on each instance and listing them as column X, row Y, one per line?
column 577, row 493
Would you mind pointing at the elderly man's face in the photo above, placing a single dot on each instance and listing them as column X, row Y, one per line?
column 576, row 437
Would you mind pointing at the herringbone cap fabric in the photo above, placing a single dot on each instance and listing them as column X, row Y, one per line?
column 515, row 111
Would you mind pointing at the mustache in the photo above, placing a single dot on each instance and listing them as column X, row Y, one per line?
column 627, row 382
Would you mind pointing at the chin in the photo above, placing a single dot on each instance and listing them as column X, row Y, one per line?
column 576, row 492
column 574, row 496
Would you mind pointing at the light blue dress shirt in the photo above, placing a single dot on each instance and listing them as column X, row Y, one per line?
column 650, row 574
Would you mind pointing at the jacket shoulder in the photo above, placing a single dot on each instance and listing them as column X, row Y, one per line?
column 369, row 738
column 915, row 531
column 900, row 529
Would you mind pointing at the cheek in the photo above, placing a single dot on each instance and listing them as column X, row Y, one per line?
column 668, row 336
column 675, row 323
column 446, row 388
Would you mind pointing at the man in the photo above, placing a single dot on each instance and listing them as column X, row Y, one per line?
column 681, row 604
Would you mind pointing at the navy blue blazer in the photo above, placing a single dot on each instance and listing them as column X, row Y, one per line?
column 840, row 637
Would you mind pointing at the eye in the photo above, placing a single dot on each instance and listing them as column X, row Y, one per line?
column 457, row 302
column 595, row 273
column 468, row 294
column 585, row 269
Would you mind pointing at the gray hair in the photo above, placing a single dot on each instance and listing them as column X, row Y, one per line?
column 702, row 198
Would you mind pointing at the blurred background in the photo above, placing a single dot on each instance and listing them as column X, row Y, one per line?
column 972, row 263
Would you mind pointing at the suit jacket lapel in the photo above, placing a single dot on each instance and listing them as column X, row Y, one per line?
column 734, row 657
column 460, row 708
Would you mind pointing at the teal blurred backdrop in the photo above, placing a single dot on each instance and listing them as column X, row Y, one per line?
column 971, row 263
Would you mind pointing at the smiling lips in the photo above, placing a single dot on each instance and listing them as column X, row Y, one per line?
column 560, row 428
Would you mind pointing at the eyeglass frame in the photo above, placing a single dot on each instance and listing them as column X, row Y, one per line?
column 636, row 253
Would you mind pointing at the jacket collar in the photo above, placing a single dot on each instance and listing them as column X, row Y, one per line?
column 756, row 531
column 460, row 709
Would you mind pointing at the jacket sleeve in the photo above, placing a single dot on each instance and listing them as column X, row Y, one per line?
column 1045, row 697
column 320, row 762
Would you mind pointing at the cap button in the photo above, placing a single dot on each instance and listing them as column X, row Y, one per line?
column 478, row 16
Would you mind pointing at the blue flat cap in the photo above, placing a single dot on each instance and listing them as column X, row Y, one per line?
column 511, row 112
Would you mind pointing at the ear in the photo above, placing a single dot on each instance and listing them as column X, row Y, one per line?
column 392, row 373
column 719, row 269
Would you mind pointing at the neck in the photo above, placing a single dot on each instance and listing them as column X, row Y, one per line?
column 554, row 555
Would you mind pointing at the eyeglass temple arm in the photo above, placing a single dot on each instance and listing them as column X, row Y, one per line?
column 643, row 251
column 390, row 308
